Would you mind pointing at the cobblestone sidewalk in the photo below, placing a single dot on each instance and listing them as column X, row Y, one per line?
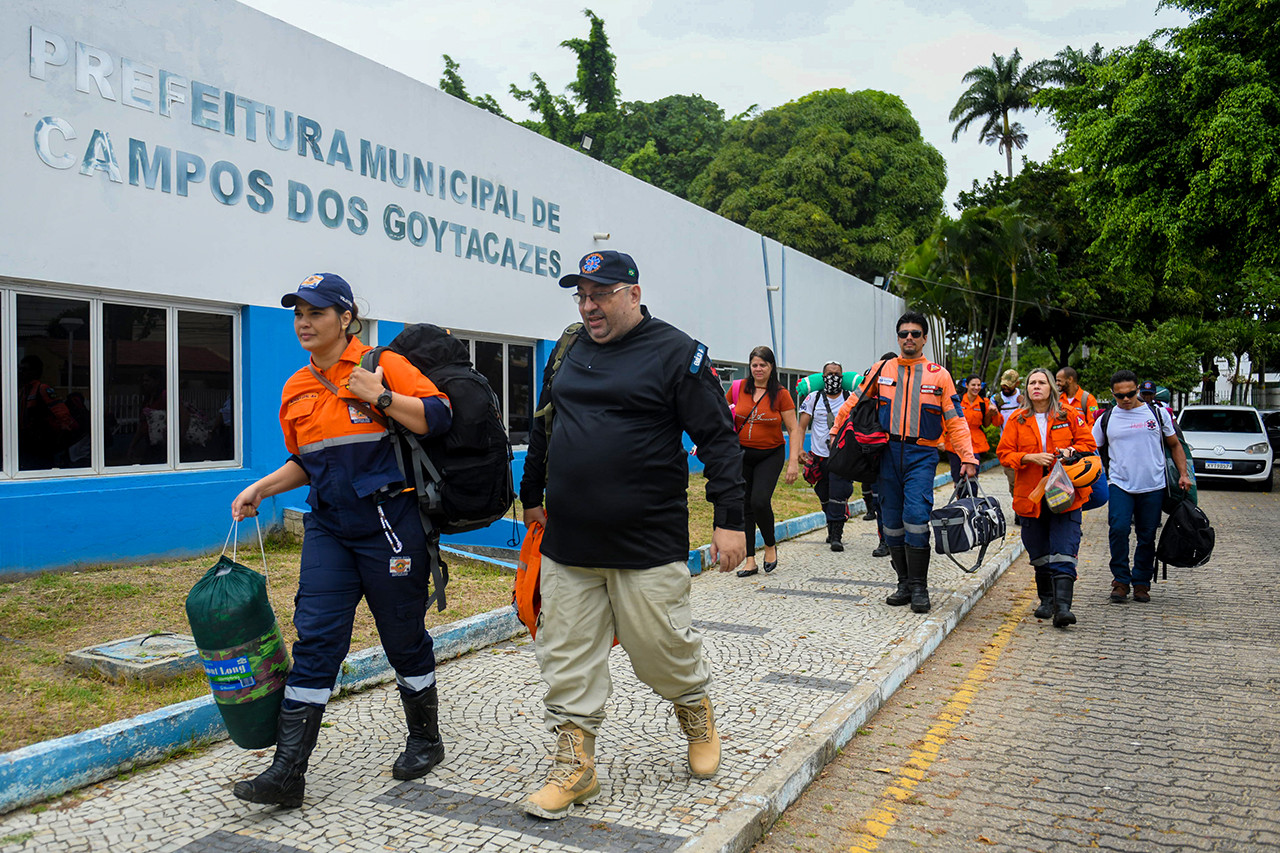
column 791, row 651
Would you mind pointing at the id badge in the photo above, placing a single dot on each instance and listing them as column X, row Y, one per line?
column 400, row 566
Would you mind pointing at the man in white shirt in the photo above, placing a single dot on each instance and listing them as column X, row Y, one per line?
column 819, row 409
column 1133, row 448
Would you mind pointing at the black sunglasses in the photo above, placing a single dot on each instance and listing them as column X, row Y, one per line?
column 1127, row 395
column 910, row 333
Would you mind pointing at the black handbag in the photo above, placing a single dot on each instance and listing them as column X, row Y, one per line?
column 860, row 441
column 971, row 520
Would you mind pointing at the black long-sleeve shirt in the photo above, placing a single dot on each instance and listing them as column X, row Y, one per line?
column 617, row 483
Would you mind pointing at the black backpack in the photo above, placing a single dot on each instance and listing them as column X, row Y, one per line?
column 1187, row 538
column 860, row 441
column 463, row 479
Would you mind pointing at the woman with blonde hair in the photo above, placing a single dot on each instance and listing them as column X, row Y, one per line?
column 1034, row 437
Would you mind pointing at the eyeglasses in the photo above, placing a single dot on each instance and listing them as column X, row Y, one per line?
column 599, row 296
column 1128, row 395
column 910, row 333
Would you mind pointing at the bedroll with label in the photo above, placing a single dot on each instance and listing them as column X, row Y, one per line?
column 243, row 653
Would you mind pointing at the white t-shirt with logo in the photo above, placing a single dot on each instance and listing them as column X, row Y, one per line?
column 821, row 423
column 1135, row 447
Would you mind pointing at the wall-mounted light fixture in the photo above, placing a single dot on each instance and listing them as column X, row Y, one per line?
column 600, row 235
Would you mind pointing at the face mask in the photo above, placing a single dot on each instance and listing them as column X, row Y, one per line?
column 831, row 383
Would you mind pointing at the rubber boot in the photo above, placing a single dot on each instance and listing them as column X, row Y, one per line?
column 835, row 531
column 918, row 578
column 283, row 783
column 423, row 749
column 572, row 778
column 1044, row 589
column 898, row 559
column 1063, row 586
column 698, row 723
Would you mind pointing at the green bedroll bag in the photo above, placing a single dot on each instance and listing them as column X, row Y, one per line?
column 813, row 382
column 240, row 645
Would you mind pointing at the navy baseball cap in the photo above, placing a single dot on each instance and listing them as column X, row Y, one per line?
column 604, row 268
column 1147, row 387
column 322, row 290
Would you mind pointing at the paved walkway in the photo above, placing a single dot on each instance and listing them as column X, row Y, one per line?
column 797, row 656
column 1145, row 727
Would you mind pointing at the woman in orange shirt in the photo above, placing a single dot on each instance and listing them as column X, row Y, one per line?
column 761, row 411
column 1034, row 437
column 979, row 413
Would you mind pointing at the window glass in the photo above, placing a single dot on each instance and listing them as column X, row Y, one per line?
column 366, row 331
column 519, row 392
column 53, row 383
column 135, row 385
column 488, row 361
column 205, row 386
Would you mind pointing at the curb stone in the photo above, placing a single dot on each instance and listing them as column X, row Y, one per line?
column 49, row 768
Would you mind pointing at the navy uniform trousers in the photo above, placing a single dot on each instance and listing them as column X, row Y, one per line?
column 346, row 557
column 905, row 492
column 1052, row 541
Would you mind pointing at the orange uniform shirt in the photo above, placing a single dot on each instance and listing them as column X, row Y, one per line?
column 1022, row 436
column 918, row 403
column 973, row 417
column 1084, row 403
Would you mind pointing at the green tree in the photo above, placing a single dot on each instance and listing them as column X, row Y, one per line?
column 673, row 139
column 1166, row 351
column 451, row 84
column 994, row 92
column 842, row 176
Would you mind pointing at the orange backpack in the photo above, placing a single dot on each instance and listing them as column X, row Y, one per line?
column 526, row 597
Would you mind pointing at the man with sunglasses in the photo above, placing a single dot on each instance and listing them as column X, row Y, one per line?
column 614, row 473
column 918, row 402
column 1134, row 440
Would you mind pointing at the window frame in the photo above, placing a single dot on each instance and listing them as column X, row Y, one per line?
column 504, row 393
column 11, row 289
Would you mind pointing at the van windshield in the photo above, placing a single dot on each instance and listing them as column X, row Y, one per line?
column 1227, row 420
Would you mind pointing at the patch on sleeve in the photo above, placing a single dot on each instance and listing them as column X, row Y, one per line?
column 932, row 367
column 699, row 356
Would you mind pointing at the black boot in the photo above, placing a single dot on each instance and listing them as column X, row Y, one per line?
column 1063, row 586
column 1044, row 589
column 283, row 783
column 423, row 749
column 835, row 530
column 898, row 557
column 918, row 578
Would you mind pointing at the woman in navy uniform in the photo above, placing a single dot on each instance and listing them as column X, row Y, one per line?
column 364, row 537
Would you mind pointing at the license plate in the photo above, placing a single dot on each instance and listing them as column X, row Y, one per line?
column 1217, row 466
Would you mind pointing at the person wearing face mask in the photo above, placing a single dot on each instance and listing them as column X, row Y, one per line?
column 916, row 404
column 363, row 539
column 818, row 410
column 1034, row 438
column 978, row 413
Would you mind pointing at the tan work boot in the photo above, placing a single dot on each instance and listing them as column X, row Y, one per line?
column 571, row 780
column 699, row 724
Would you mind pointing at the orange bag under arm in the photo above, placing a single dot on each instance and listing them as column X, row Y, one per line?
column 526, row 597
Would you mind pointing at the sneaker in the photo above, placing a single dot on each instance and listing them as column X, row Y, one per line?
column 572, row 779
column 1141, row 592
column 1120, row 592
column 699, row 726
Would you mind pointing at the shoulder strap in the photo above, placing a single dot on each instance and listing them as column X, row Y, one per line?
column 568, row 338
column 377, row 417
column 735, row 390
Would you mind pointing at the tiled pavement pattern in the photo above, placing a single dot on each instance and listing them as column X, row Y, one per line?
column 1145, row 727
column 783, row 647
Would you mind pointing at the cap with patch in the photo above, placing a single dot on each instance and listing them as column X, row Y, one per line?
column 607, row 267
column 322, row 290
column 1147, row 387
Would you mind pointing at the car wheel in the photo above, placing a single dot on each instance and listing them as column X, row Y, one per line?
column 1267, row 484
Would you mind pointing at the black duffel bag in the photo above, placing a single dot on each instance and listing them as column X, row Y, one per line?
column 971, row 520
column 860, row 441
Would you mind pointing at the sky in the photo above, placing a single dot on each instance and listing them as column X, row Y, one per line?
column 740, row 53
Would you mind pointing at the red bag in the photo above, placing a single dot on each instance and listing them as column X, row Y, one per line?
column 812, row 471
column 527, row 596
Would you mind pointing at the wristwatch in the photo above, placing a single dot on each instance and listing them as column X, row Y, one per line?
column 384, row 400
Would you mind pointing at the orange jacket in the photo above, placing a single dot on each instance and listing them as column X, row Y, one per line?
column 917, row 402
column 1085, row 403
column 973, row 417
column 1022, row 436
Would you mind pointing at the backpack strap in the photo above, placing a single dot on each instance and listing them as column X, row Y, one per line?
column 377, row 417
column 546, row 411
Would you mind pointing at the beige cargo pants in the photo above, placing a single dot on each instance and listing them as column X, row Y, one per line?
column 648, row 610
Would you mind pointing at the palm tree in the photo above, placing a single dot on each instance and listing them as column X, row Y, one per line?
column 993, row 93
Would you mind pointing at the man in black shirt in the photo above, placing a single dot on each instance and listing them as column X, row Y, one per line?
column 614, row 552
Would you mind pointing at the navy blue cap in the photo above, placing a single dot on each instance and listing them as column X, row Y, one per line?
column 1147, row 387
column 604, row 268
column 322, row 290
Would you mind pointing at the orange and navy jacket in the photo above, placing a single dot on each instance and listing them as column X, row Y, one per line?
column 1022, row 436
column 1086, row 404
column 347, row 455
column 917, row 402
column 973, row 414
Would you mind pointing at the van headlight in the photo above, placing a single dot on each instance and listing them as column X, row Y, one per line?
column 1260, row 447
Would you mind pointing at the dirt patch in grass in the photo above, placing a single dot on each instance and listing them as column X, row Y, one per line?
column 43, row 618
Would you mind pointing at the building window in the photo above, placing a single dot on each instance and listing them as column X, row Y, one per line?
column 117, row 386
column 508, row 365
